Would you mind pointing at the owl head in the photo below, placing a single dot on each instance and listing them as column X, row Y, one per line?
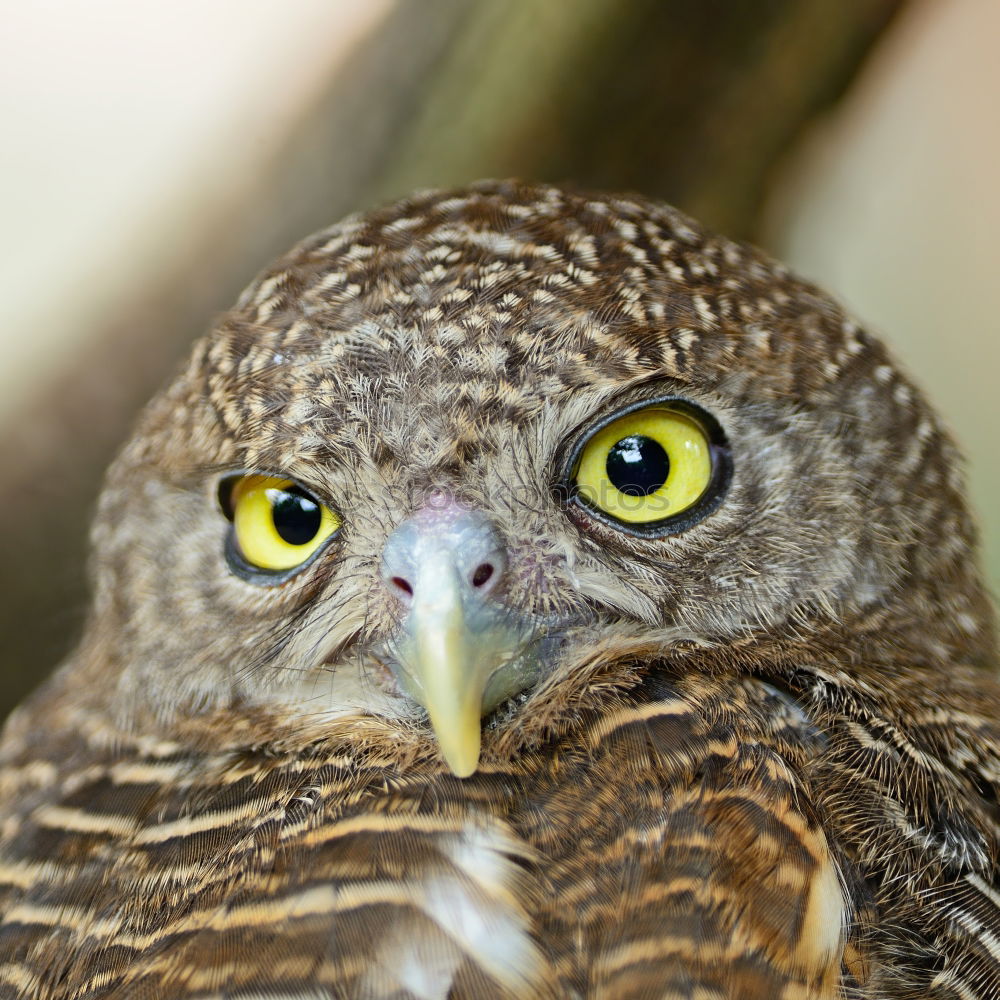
column 472, row 461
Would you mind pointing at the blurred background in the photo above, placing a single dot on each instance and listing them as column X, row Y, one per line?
column 156, row 155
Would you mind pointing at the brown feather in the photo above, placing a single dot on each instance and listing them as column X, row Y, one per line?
column 762, row 759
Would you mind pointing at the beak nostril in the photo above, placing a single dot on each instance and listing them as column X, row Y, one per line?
column 403, row 586
column 482, row 574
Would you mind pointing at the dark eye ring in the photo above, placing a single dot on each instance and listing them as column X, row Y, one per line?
column 277, row 526
column 652, row 469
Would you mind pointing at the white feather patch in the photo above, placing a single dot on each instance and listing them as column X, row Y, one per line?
column 476, row 908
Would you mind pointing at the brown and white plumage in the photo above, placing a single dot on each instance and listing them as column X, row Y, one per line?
column 753, row 756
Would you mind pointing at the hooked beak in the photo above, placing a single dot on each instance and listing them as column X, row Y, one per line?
column 451, row 681
column 459, row 652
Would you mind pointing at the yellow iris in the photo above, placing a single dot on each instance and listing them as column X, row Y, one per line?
column 645, row 466
column 278, row 525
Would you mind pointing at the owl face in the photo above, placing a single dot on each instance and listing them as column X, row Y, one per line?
column 442, row 453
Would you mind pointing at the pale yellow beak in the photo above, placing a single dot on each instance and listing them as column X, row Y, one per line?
column 443, row 665
column 460, row 651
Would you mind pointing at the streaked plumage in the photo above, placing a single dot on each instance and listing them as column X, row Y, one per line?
column 752, row 752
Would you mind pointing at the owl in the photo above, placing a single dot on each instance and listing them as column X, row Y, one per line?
column 519, row 594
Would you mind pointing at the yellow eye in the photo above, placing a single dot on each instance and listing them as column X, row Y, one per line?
column 645, row 468
column 277, row 525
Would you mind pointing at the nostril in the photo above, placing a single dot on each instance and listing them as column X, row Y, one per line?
column 482, row 574
column 402, row 586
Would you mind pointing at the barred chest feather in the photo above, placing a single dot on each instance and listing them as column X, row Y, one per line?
column 255, row 874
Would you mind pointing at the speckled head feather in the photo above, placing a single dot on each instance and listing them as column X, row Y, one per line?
column 460, row 341
column 750, row 756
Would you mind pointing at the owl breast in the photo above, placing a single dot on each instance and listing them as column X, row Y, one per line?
column 523, row 880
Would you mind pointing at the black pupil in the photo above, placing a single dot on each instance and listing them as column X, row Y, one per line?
column 297, row 517
column 637, row 465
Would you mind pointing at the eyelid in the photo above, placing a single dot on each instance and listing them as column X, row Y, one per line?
column 228, row 482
